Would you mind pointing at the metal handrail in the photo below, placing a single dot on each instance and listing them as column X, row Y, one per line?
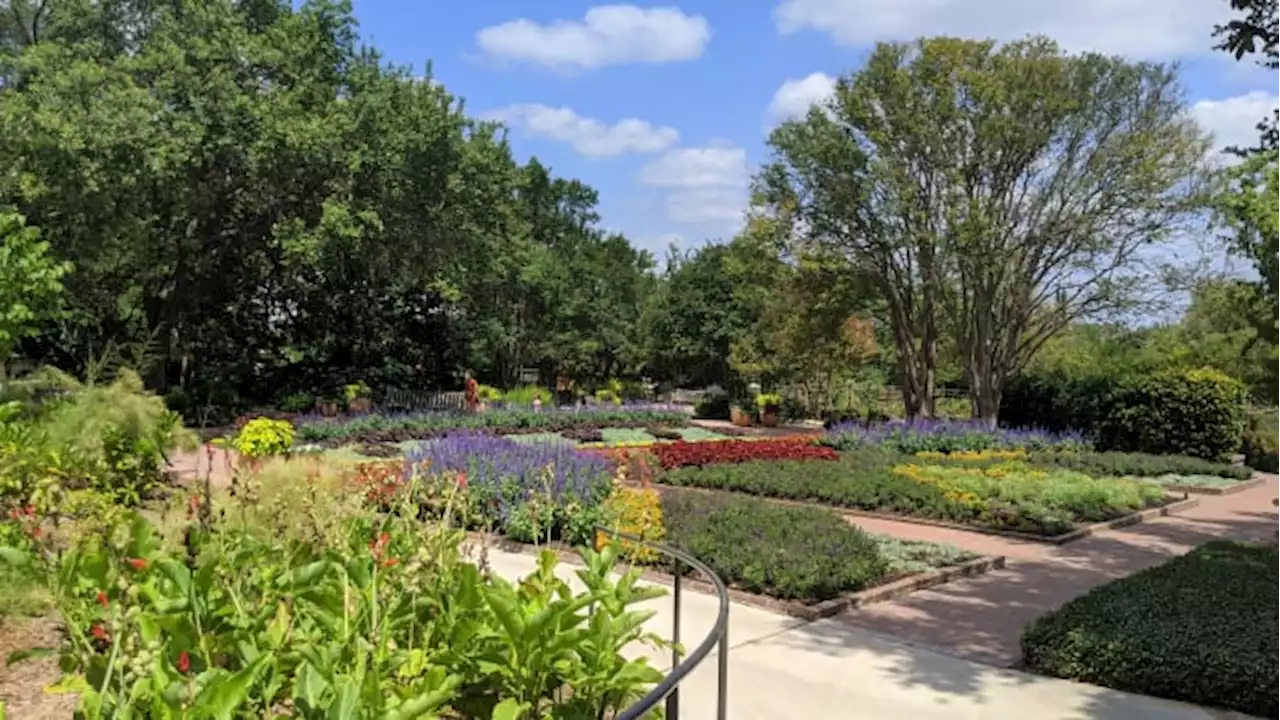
column 669, row 689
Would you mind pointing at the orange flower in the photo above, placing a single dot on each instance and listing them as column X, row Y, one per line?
column 390, row 563
column 462, row 481
column 136, row 563
column 99, row 632
column 102, row 598
column 184, row 662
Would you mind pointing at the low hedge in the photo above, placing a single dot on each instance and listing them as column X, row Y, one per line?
column 1201, row 628
column 698, row 454
column 1117, row 464
column 791, row 553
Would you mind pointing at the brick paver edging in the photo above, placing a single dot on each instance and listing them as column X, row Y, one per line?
column 1176, row 506
column 812, row 611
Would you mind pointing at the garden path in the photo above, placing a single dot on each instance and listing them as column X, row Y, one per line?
column 780, row 667
column 981, row 618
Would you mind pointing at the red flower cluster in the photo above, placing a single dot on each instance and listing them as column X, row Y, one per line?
column 686, row 454
column 379, row 480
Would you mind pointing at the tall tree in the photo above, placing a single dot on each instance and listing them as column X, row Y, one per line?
column 1255, row 33
column 30, row 282
column 1001, row 192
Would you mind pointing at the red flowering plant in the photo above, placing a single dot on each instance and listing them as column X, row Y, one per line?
column 698, row 454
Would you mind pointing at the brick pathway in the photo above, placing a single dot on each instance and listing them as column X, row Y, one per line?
column 982, row 618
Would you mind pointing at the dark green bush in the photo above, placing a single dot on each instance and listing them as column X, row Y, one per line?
column 1117, row 464
column 792, row 553
column 1261, row 441
column 1179, row 412
column 712, row 406
column 1201, row 628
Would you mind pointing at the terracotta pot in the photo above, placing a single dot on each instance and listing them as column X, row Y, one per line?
column 769, row 418
column 359, row 405
column 739, row 417
column 329, row 409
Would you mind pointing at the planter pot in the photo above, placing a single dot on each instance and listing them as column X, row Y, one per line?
column 328, row 409
column 359, row 405
column 739, row 417
column 769, row 417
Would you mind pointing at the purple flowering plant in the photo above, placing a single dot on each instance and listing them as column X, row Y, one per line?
column 527, row 491
column 946, row 436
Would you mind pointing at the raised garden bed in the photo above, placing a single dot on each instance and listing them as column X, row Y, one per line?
column 1011, row 499
column 1202, row 484
column 1201, row 628
column 804, row 562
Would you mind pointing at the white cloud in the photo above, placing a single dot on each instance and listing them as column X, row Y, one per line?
column 794, row 97
column 1139, row 28
column 697, row 167
column 1233, row 121
column 588, row 136
column 708, row 185
column 606, row 35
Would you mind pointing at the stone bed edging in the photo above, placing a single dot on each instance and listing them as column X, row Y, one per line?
column 1217, row 490
column 850, row 513
column 891, row 590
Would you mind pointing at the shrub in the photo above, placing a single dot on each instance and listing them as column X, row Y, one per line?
column 1178, row 412
column 1201, row 628
column 768, row 402
column 525, row 395
column 712, row 406
column 297, row 402
column 1115, row 464
column 1261, row 443
column 262, row 436
column 685, row 454
column 793, row 553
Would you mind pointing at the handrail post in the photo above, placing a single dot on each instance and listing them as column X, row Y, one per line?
column 722, row 682
column 673, row 700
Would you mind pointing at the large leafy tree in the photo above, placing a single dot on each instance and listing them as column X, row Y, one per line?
column 995, row 192
column 1254, row 32
column 270, row 206
column 30, row 282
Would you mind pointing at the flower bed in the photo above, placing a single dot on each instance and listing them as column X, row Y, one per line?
column 398, row 427
column 1201, row 628
column 1114, row 464
column 1006, row 496
column 946, row 436
column 699, row 454
column 527, row 491
column 792, row 553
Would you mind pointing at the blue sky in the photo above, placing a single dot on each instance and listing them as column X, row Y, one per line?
column 664, row 108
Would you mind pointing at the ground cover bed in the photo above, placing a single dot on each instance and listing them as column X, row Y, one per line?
column 397, row 427
column 1008, row 495
column 1200, row 628
column 789, row 552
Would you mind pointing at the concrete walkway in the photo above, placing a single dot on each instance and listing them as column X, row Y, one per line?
column 982, row 618
column 780, row 667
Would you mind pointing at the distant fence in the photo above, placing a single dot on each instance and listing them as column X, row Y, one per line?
column 422, row 400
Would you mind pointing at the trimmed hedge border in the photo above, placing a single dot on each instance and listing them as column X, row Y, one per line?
column 1200, row 628
column 892, row 590
column 1175, row 505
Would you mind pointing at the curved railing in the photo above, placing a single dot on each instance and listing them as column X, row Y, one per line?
column 668, row 691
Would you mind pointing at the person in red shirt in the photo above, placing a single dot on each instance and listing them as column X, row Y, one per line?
column 472, row 394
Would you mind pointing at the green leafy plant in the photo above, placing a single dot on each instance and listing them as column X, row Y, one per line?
column 262, row 436
column 297, row 402
column 768, row 402
column 356, row 391
column 1201, row 628
column 793, row 553
column 1116, row 464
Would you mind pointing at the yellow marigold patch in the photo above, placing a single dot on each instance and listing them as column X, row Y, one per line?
column 635, row 511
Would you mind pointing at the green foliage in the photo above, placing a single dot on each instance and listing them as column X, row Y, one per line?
column 1188, row 412
column 297, row 402
column 846, row 179
column 360, row 619
column 1179, row 411
column 262, row 436
column 712, row 406
column 1116, row 464
column 488, row 393
column 1201, row 628
column 1262, row 442
column 1007, row 496
column 30, row 281
column 793, row 553
column 394, row 428
column 355, row 391
column 768, row 402
column 524, row 395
